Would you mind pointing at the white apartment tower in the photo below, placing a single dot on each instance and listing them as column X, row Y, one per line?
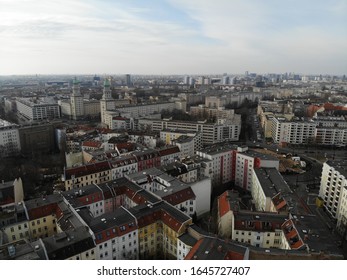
column 333, row 191
column 77, row 106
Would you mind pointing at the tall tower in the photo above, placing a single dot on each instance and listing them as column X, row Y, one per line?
column 77, row 106
column 106, row 102
column 128, row 80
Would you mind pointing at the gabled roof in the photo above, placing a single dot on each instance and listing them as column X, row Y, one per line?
column 168, row 151
column 86, row 169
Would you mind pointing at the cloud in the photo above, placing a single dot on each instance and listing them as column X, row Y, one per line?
column 173, row 36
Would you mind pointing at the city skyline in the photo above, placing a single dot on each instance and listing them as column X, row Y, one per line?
column 172, row 37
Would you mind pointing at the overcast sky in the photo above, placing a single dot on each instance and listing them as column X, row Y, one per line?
column 173, row 36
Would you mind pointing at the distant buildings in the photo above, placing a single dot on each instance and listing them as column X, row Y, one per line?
column 36, row 109
column 77, row 107
column 220, row 131
column 280, row 124
column 9, row 139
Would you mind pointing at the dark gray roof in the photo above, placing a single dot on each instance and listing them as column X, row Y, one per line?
column 254, row 154
column 315, row 234
column 339, row 165
column 261, row 216
column 212, row 248
column 113, row 219
column 42, row 201
column 21, row 251
column 187, row 239
column 271, row 181
column 69, row 243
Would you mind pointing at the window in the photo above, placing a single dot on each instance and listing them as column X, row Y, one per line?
column 258, row 237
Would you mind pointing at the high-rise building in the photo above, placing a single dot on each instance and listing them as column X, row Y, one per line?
column 77, row 107
column 128, row 80
column 106, row 102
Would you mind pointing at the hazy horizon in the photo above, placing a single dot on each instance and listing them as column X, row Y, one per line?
column 172, row 37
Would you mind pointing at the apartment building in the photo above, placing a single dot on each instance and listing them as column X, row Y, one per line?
column 36, row 109
column 258, row 229
column 108, row 109
column 202, row 111
column 323, row 131
column 331, row 136
column 73, row 244
column 116, row 234
column 147, row 159
column 220, row 131
column 183, row 140
column 191, row 198
column 42, row 216
column 14, row 224
column 11, row 192
column 186, row 145
column 169, row 154
column 9, row 139
column 77, row 177
column 333, row 191
column 123, row 165
column 247, row 160
column 223, row 162
column 292, row 132
column 160, row 225
column 269, row 190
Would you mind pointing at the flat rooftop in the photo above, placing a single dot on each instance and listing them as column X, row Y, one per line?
column 271, row 181
column 339, row 165
column 315, row 234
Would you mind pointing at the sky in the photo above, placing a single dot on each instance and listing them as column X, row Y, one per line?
column 173, row 36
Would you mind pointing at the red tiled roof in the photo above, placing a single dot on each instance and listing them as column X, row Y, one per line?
column 126, row 146
column 170, row 221
column 180, row 196
column 87, row 169
column 169, row 151
column 192, row 252
column 94, row 144
column 332, row 107
column 234, row 256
